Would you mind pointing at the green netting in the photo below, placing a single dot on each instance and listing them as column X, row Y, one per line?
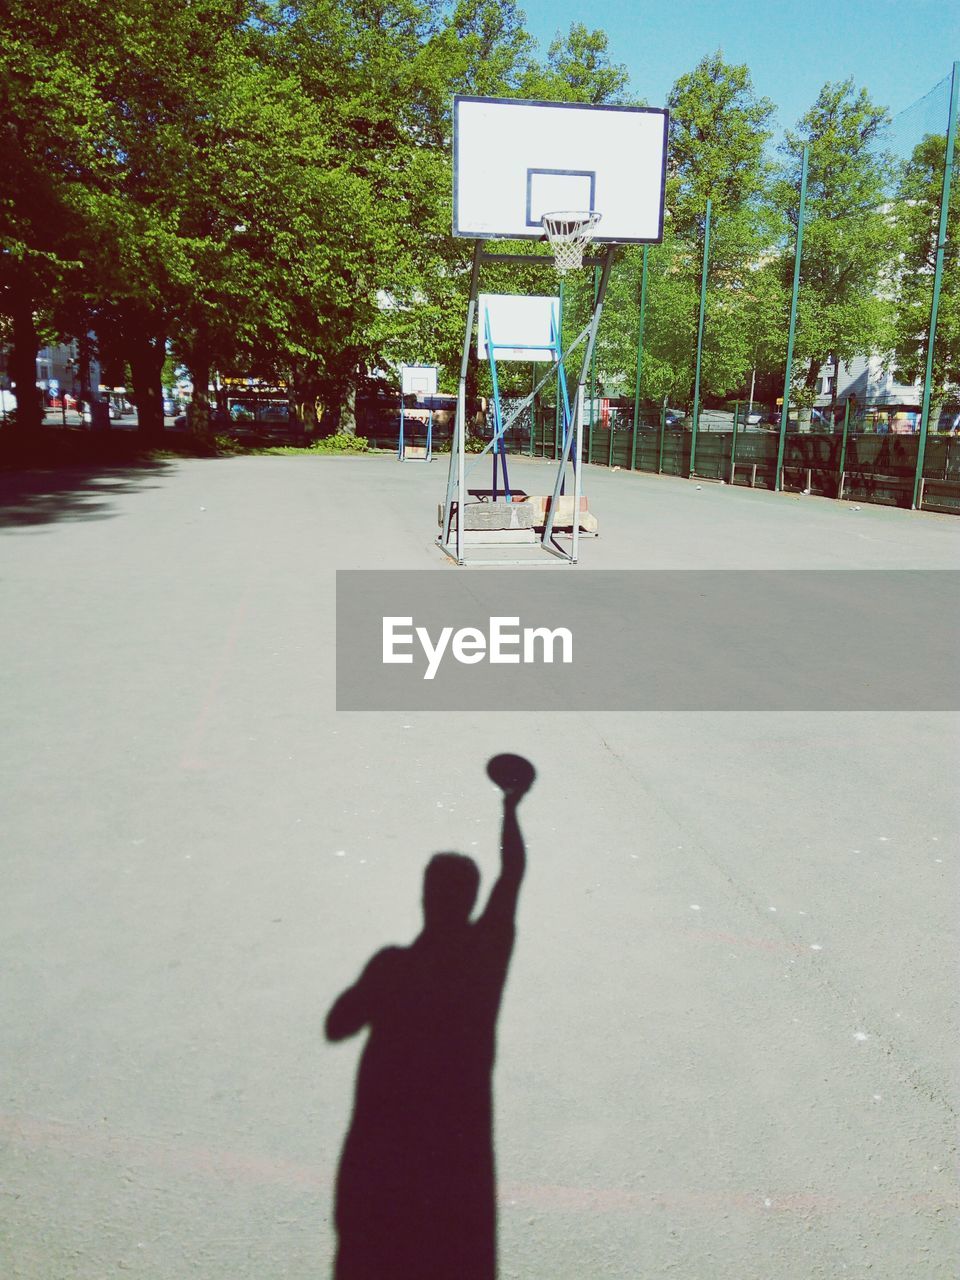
column 928, row 116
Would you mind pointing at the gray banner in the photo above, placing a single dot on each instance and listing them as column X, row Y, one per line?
column 648, row 641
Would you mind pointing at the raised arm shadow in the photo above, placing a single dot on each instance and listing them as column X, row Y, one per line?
column 416, row 1186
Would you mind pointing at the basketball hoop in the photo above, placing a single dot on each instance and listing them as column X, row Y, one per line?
column 569, row 232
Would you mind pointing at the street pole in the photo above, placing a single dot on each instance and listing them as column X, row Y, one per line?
column 937, row 279
column 785, row 412
column 703, row 308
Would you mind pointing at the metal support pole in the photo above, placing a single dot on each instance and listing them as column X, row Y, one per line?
column 788, row 378
column 937, row 278
column 561, row 373
column 400, row 440
column 843, row 448
column 663, row 432
column 461, row 449
column 703, row 309
column 636, row 391
column 455, row 475
column 574, row 438
column 533, row 408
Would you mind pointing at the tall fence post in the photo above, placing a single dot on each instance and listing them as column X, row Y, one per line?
column 937, row 279
column 636, row 392
column 733, row 442
column 703, row 308
column 663, row 432
column 593, row 375
column 785, row 412
column 843, row 448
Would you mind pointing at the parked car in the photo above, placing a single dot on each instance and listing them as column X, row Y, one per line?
column 219, row 419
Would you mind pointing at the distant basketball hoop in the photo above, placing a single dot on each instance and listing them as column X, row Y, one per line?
column 569, row 233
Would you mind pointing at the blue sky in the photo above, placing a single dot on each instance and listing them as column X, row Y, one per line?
column 897, row 49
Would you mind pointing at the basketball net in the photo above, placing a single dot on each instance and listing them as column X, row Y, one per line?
column 569, row 233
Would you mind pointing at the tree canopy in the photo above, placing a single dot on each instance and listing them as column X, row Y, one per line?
column 265, row 189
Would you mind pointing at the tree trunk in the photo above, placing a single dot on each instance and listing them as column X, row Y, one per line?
column 23, row 363
column 304, row 397
column 83, row 369
column 199, row 404
column 147, row 356
column 348, row 409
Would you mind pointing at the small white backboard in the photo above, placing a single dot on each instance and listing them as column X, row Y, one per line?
column 514, row 161
column 525, row 325
column 418, row 379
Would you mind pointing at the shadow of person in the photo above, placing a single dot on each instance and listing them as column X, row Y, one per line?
column 416, row 1193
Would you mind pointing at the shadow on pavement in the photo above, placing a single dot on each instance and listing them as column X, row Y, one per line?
column 37, row 497
column 416, row 1188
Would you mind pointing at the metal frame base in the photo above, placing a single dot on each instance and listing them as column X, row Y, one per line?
column 451, row 541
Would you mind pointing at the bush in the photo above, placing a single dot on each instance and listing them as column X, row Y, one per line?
column 226, row 444
column 475, row 444
column 341, row 443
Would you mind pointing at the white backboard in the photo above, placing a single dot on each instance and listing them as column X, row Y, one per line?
column 418, row 379
column 514, row 161
column 521, row 327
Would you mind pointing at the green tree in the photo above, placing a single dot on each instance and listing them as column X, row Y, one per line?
column 850, row 238
column 918, row 217
column 382, row 97
column 718, row 131
column 53, row 146
column 578, row 69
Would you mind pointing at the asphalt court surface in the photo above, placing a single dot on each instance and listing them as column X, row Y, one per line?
column 727, row 1045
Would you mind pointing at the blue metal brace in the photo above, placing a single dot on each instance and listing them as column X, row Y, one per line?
column 563, row 394
column 499, row 444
